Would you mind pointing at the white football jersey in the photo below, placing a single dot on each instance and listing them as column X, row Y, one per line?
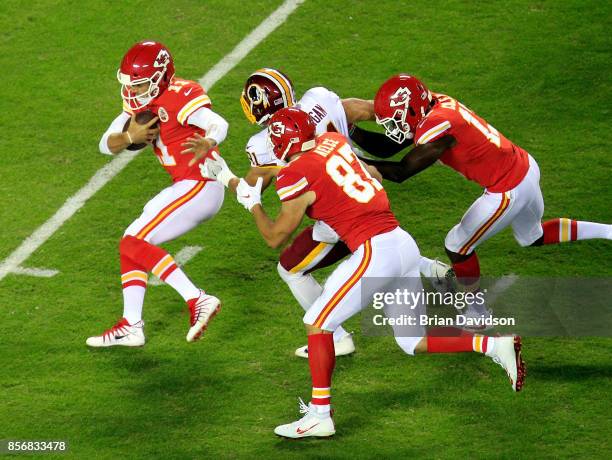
column 324, row 107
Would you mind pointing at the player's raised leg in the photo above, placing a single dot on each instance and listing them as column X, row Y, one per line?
column 172, row 213
column 528, row 228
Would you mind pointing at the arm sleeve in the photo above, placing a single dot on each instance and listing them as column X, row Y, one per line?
column 377, row 144
column 115, row 127
column 214, row 124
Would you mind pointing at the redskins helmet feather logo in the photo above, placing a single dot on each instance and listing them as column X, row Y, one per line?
column 401, row 97
column 277, row 129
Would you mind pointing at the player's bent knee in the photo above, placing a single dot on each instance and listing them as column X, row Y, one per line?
column 128, row 244
column 286, row 275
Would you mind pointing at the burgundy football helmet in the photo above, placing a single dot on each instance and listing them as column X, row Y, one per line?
column 291, row 131
column 400, row 104
column 145, row 62
column 265, row 92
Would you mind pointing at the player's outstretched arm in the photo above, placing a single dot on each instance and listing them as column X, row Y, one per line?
column 415, row 161
column 277, row 232
column 266, row 174
column 358, row 109
column 377, row 144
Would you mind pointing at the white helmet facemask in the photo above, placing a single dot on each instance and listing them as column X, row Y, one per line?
column 134, row 101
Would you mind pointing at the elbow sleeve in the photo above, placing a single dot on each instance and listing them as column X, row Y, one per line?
column 214, row 124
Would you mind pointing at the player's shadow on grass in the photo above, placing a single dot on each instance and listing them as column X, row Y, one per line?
column 571, row 372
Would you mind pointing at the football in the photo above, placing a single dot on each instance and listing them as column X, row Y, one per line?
column 141, row 118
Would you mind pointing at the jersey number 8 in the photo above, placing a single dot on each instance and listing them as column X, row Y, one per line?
column 359, row 185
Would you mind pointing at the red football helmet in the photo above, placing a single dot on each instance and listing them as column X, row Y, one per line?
column 291, row 131
column 145, row 62
column 400, row 103
column 265, row 92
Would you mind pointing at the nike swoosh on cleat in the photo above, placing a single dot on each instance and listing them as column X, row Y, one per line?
column 304, row 431
column 119, row 337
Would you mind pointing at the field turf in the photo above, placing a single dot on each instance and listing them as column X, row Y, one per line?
column 536, row 70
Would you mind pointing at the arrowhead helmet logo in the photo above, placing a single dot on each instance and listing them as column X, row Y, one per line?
column 401, row 97
column 277, row 129
column 162, row 59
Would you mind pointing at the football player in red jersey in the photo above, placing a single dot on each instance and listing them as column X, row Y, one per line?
column 183, row 110
column 266, row 91
column 444, row 129
column 325, row 180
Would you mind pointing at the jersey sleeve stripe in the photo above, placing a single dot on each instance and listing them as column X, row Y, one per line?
column 433, row 132
column 191, row 107
column 292, row 189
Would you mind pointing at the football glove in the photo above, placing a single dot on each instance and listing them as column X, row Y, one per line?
column 216, row 168
column 249, row 196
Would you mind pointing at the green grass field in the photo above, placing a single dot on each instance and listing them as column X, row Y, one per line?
column 537, row 70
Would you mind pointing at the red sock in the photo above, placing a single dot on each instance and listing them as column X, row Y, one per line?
column 322, row 359
column 468, row 271
column 468, row 342
column 132, row 273
column 560, row 230
column 152, row 258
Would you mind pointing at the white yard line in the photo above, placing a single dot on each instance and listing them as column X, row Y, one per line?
column 105, row 174
column 37, row 272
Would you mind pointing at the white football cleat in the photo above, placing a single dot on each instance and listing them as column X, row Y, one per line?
column 507, row 353
column 442, row 277
column 344, row 346
column 122, row 333
column 311, row 424
column 202, row 310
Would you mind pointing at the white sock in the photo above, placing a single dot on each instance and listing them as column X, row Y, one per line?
column 183, row 285
column 490, row 346
column 425, row 266
column 133, row 299
column 306, row 289
column 322, row 410
column 590, row 230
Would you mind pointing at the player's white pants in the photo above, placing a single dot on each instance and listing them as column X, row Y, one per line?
column 522, row 207
column 176, row 210
column 384, row 258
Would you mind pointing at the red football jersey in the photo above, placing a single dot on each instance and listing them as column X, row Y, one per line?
column 348, row 199
column 173, row 107
column 482, row 154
